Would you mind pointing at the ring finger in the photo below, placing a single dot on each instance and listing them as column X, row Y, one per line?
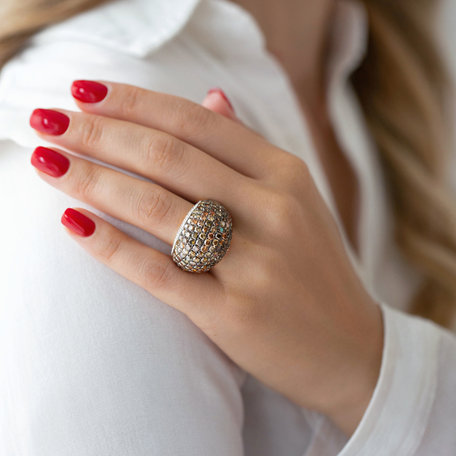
column 144, row 204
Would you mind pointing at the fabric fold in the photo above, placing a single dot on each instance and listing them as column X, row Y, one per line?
column 397, row 415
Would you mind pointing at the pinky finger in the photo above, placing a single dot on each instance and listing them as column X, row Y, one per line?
column 149, row 268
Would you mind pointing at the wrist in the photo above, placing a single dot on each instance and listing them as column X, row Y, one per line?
column 356, row 390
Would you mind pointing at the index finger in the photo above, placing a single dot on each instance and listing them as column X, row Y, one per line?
column 230, row 142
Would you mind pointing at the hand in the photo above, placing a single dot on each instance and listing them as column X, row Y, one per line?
column 284, row 303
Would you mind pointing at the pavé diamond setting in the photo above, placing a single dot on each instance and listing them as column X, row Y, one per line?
column 203, row 238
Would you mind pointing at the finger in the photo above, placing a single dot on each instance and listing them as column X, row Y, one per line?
column 191, row 293
column 230, row 142
column 217, row 101
column 140, row 203
column 174, row 164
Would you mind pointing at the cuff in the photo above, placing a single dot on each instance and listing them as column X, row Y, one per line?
column 397, row 414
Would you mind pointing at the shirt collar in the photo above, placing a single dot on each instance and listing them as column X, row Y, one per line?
column 348, row 41
column 132, row 26
column 141, row 26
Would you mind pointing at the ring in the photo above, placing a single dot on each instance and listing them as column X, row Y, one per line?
column 203, row 237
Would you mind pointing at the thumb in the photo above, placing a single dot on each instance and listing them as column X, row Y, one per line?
column 217, row 101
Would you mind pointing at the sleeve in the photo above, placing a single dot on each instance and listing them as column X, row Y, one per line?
column 413, row 409
column 92, row 364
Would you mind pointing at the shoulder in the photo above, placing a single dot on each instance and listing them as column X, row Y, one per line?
column 182, row 47
column 133, row 41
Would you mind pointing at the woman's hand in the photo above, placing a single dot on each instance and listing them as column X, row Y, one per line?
column 284, row 303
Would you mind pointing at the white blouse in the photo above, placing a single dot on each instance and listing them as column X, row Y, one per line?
column 91, row 364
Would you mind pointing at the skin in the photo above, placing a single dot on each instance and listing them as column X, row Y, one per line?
column 296, row 33
column 284, row 303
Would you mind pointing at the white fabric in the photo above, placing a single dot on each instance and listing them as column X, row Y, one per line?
column 91, row 364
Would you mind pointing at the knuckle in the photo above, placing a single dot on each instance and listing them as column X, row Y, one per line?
column 296, row 167
column 163, row 151
column 131, row 97
column 292, row 171
column 109, row 249
column 243, row 306
column 91, row 132
column 281, row 212
column 87, row 181
column 194, row 119
column 265, row 271
column 156, row 274
column 153, row 207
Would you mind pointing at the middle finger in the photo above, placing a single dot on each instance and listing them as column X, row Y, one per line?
column 144, row 204
column 174, row 164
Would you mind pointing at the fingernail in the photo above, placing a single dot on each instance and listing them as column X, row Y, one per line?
column 88, row 91
column 222, row 94
column 49, row 161
column 77, row 222
column 49, row 121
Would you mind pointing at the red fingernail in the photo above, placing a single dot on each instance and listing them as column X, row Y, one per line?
column 77, row 222
column 222, row 94
column 88, row 91
column 49, row 161
column 49, row 121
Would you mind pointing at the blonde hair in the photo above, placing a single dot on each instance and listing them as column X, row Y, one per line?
column 21, row 19
column 401, row 85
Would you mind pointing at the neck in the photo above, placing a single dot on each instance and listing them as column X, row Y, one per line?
column 296, row 34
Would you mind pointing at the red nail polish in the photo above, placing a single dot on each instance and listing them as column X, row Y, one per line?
column 77, row 222
column 222, row 94
column 49, row 161
column 88, row 91
column 49, row 121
